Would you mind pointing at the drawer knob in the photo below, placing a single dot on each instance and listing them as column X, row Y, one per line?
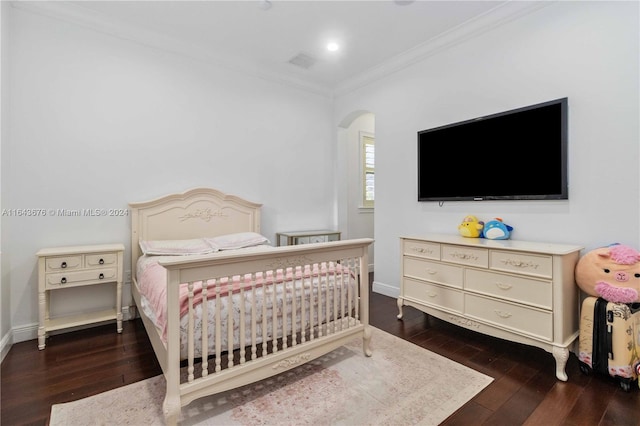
column 101, row 261
column 503, row 286
column 63, row 265
column 101, row 276
column 63, row 280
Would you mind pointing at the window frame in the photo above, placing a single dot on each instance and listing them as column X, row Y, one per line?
column 366, row 138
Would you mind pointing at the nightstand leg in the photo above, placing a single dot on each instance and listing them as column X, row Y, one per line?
column 42, row 334
column 119, row 306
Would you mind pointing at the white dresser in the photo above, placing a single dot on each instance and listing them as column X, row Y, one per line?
column 516, row 290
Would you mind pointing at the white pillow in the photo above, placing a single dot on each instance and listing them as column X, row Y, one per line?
column 237, row 240
column 176, row 247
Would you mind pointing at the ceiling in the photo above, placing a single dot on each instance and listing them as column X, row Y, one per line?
column 250, row 36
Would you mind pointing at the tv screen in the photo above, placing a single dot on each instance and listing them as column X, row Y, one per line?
column 519, row 154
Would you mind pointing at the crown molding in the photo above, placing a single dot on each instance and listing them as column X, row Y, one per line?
column 98, row 22
column 71, row 12
column 490, row 20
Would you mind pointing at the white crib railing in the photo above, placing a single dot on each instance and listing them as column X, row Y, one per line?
column 269, row 311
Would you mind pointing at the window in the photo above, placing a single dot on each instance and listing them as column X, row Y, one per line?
column 368, row 169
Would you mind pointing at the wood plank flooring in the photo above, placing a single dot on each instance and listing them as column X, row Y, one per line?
column 525, row 390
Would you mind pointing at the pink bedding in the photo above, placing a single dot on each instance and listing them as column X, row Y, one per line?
column 152, row 282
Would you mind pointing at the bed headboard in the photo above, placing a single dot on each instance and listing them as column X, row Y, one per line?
column 199, row 212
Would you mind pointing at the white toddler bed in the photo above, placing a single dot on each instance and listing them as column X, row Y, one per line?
column 269, row 309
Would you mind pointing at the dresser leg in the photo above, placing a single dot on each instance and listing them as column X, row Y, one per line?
column 561, row 355
column 400, row 305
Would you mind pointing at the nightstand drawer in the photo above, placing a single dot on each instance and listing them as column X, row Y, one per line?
column 100, row 259
column 63, row 263
column 60, row 279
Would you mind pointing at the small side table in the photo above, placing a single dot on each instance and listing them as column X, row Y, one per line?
column 78, row 266
column 306, row 237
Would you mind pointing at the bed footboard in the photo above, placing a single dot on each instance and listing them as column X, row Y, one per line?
column 269, row 311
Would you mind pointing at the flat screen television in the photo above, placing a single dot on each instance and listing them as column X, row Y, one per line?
column 519, row 154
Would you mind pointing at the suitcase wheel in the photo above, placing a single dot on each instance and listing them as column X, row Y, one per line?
column 584, row 367
column 625, row 384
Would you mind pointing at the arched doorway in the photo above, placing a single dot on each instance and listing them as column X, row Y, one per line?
column 354, row 218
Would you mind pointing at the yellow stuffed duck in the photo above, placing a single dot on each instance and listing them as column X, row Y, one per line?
column 471, row 227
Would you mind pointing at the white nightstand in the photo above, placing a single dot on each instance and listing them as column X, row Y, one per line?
column 65, row 267
column 306, row 237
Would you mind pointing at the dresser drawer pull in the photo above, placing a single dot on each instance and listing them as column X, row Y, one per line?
column 101, row 276
column 432, row 294
column 101, row 261
column 502, row 314
column 63, row 265
column 464, row 256
column 431, row 271
column 503, row 286
column 421, row 250
column 520, row 263
column 63, row 280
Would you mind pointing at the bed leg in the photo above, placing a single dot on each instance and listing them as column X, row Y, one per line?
column 171, row 408
column 366, row 341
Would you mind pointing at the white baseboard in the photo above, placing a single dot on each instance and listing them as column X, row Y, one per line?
column 24, row 333
column 386, row 289
column 5, row 345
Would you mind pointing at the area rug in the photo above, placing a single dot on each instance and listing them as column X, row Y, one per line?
column 401, row 384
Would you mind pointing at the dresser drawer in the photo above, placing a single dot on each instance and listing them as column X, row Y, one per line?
column 421, row 249
column 430, row 294
column 440, row 273
column 97, row 260
column 522, row 263
column 518, row 289
column 63, row 263
column 520, row 319
column 466, row 255
column 56, row 280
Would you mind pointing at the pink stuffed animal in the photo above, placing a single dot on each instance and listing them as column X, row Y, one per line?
column 612, row 273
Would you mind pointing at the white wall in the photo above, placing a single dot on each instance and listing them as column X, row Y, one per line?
column 587, row 51
column 5, row 319
column 98, row 122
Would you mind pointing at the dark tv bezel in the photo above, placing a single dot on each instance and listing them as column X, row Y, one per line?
column 564, row 193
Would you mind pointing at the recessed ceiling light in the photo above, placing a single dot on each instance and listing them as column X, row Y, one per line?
column 265, row 4
column 332, row 47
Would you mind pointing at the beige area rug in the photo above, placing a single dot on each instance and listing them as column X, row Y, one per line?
column 401, row 384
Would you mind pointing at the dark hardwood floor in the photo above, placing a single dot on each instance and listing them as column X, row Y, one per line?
column 525, row 390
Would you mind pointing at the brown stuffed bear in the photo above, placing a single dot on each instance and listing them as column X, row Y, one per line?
column 612, row 273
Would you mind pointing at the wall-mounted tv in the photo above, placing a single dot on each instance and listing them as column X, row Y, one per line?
column 519, row 154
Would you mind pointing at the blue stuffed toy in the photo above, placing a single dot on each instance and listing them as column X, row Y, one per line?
column 496, row 230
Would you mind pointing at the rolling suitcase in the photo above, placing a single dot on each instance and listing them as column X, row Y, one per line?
column 610, row 339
